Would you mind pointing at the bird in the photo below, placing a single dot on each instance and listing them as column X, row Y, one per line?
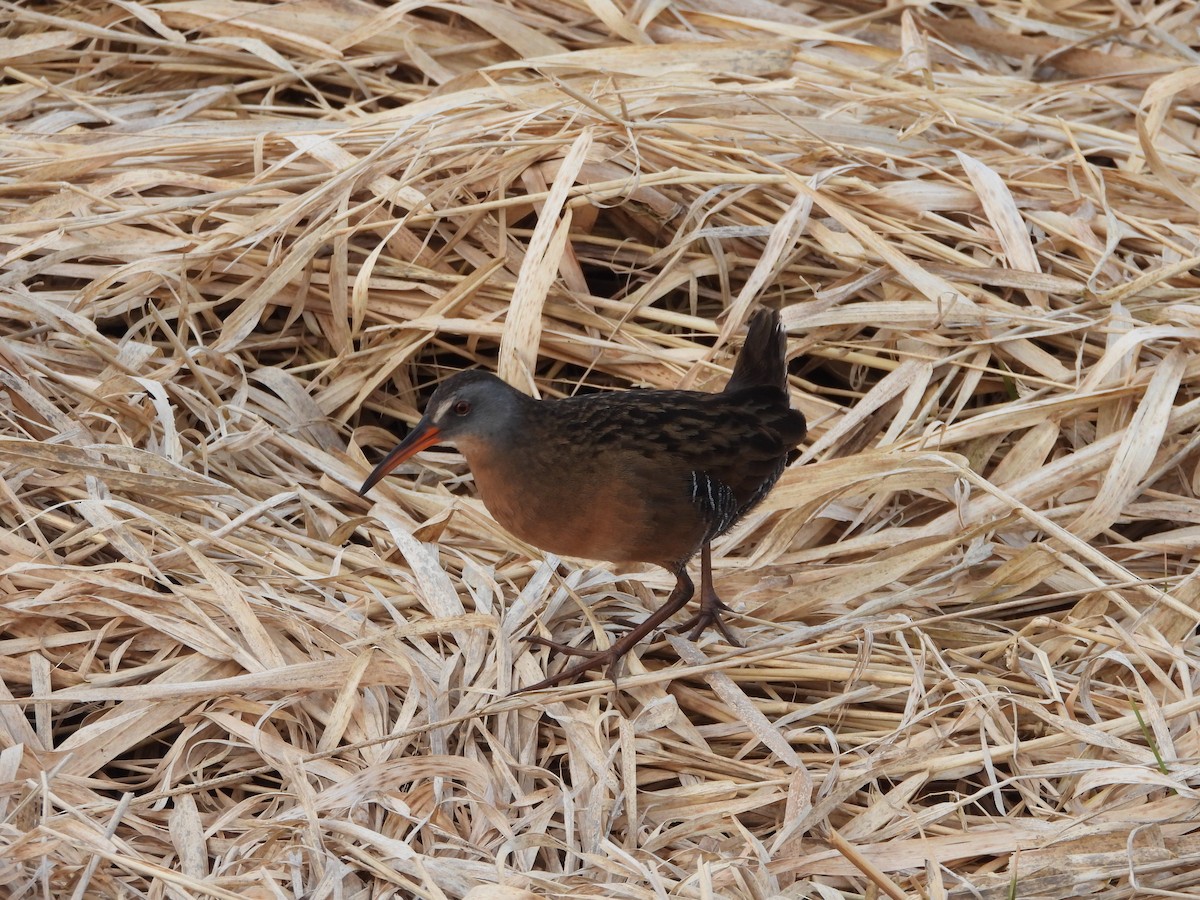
column 629, row 476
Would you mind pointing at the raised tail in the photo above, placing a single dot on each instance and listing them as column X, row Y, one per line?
column 763, row 360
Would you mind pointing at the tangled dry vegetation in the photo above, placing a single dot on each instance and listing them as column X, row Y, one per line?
column 242, row 240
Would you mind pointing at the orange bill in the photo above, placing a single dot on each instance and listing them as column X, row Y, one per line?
column 422, row 436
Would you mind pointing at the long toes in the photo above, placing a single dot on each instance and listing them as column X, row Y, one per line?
column 724, row 629
column 701, row 622
column 692, row 626
column 561, row 648
column 607, row 658
column 708, row 615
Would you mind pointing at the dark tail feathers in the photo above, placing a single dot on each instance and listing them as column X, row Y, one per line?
column 763, row 360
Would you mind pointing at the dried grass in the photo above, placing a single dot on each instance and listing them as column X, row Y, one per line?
column 242, row 239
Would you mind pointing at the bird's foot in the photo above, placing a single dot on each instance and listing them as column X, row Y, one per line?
column 593, row 659
column 561, row 648
column 611, row 657
column 710, row 614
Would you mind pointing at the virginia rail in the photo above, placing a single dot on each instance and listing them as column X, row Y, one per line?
column 627, row 476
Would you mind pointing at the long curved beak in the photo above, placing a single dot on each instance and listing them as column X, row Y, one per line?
column 423, row 435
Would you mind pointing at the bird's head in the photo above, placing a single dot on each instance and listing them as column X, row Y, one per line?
column 469, row 409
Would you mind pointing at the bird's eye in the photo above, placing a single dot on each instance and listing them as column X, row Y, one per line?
column 462, row 407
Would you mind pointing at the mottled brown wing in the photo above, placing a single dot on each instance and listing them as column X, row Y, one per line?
column 719, row 452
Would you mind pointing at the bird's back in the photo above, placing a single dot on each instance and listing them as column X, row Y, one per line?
column 685, row 464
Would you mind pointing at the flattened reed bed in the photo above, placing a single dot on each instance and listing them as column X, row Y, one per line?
column 242, row 241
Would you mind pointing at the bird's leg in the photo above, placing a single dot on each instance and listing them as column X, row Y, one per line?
column 610, row 657
column 711, row 605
